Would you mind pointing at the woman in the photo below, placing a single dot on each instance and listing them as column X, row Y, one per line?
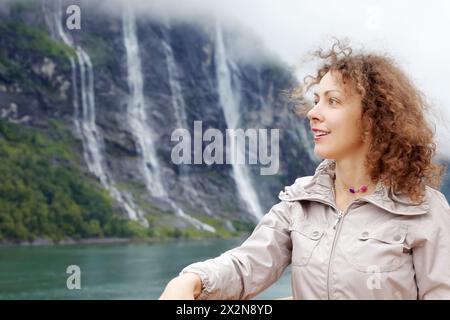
column 370, row 223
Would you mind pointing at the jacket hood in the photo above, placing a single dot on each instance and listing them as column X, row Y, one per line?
column 320, row 188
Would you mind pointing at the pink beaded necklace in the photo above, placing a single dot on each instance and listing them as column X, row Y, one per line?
column 363, row 188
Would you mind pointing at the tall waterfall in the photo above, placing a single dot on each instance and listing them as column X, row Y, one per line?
column 179, row 106
column 175, row 88
column 84, row 119
column 137, row 118
column 230, row 104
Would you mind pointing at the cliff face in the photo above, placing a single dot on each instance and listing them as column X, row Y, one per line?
column 87, row 118
column 122, row 84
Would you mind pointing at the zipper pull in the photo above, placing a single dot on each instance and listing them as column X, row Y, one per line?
column 337, row 219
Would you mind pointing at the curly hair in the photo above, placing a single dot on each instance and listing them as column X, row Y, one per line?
column 393, row 114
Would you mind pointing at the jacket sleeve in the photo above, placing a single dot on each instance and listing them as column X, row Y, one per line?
column 432, row 258
column 245, row 271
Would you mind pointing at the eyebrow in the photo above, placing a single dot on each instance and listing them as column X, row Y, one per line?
column 327, row 92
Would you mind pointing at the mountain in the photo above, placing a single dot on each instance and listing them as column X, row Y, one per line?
column 89, row 116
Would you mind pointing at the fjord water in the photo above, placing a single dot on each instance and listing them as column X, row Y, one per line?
column 108, row 271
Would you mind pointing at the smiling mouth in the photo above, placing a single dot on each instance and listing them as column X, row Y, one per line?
column 319, row 134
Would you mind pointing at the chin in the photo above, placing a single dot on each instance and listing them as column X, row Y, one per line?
column 324, row 154
column 318, row 151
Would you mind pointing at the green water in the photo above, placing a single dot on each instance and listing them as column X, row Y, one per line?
column 113, row 271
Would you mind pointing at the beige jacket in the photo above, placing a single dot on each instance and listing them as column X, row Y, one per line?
column 383, row 247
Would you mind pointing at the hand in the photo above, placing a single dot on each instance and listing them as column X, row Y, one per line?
column 185, row 287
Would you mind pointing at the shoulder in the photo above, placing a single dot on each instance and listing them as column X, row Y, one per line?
column 282, row 210
column 436, row 199
column 293, row 190
column 439, row 212
column 303, row 180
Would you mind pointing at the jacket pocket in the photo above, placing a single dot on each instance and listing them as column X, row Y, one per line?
column 380, row 249
column 305, row 238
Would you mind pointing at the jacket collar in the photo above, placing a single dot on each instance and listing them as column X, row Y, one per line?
column 320, row 188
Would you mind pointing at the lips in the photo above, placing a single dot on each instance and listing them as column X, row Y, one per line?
column 320, row 133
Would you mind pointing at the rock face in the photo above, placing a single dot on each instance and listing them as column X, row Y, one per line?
column 125, row 83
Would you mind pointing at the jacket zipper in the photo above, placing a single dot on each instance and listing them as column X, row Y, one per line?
column 336, row 234
column 336, row 223
column 340, row 216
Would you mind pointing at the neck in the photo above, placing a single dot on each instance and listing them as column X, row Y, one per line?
column 351, row 173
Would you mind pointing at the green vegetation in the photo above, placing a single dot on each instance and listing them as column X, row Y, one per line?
column 243, row 226
column 221, row 231
column 19, row 47
column 161, row 229
column 34, row 40
column 43, row 191
column 100, row 52
column 20, row 6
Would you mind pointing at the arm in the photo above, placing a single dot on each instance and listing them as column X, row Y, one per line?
column 184, row 287
column 432, row 258
column 245, row 271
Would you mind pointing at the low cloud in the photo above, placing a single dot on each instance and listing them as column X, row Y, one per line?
column 412, row 32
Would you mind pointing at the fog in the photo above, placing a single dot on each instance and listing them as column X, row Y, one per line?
column 414, row 33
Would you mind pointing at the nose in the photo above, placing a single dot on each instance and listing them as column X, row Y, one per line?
column 314, row 114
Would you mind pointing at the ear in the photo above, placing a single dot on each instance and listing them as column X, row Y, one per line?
column 366, row 136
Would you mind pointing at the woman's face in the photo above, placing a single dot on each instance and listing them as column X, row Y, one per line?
column 337, row 111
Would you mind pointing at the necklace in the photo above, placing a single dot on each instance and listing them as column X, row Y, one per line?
column 362, row 189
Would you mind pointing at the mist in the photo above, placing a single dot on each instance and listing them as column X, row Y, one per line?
column 414, row 33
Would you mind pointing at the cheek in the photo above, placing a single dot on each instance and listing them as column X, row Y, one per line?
column 341, row 142
column 346, row 134
column 350, row 132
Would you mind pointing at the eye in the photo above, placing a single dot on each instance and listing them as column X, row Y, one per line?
column 316, row 101
column 333, row 101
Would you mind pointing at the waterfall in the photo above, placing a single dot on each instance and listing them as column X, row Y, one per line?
column 144, row 135
column 175, row 88
column 84, row 119
column 136, row 113
column 229, row 101
column 179, row 107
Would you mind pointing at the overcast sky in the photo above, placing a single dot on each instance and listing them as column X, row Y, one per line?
column 415, row 33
